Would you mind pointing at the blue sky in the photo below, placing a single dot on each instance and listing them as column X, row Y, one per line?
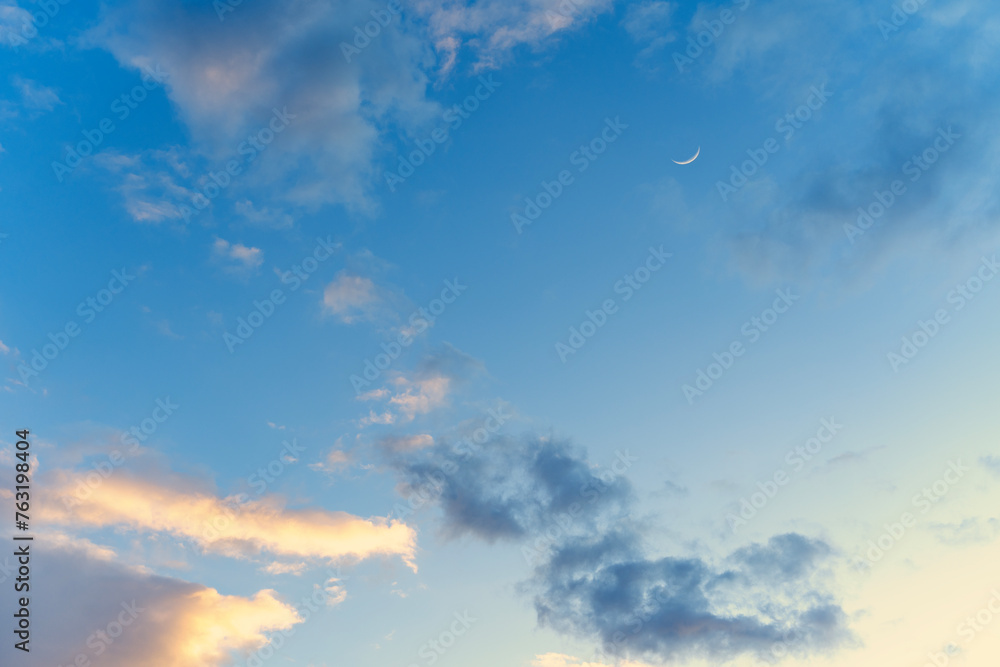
column 429, row 329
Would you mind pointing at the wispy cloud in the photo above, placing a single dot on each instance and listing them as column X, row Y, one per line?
column 352, row 298
column 264, row 216
column 35, row 96
column 237, row 258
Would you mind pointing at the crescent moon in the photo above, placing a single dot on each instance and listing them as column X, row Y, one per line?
column 690, row 160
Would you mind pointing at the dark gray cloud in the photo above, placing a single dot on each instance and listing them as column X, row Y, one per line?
column 671, row 608
column 513, row 487
column 597, row 579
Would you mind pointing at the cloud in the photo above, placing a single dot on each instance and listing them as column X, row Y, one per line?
column 789, row 221
column 35, row 96
column 405, row 443
column 512, row 487
column 263, row 217
column 492, row 29
column 428, row 388
column 968, row 531
column 409, row 398
column 334, row 461
column 150, row 183
column 991, row 463
column 673, row 608
column 13, row 19
column 225, row 525
column 145, row 619
column 227, row 77
column 650, row 23
column 420, row 396
column 3, row 348
column 286, row 568
column 236, row 257
column 352, row 298
column 594, row 577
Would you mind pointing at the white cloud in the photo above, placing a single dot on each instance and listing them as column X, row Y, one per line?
column 150, row 183
column 35, row 96
column 650, row 23
column 492, row 29
column 421, row 396
column 226, row 79
column 3, row 348
column 264, row 216
column 406, row 443
column 351, row 298
column 236, row 257
column 409, row 399
column 13, row 19
column 334, row 461
column 286, row 568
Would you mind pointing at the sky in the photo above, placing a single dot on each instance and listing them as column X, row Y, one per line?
column 409, row 333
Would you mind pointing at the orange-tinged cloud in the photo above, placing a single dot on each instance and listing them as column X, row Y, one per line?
column 94, row 610
column 236, row 526
column 209, row 625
